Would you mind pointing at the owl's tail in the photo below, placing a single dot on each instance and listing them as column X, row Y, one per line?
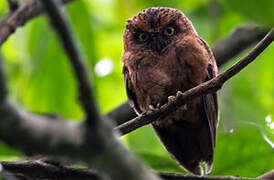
column 190, row 144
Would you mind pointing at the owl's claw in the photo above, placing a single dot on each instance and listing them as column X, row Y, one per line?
column 171, row 99
column 184, row 107
column 152, row 107
column 142, row 114
column 179, row 93
column 158, row 105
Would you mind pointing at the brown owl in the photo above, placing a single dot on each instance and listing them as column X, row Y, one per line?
column 163, row 54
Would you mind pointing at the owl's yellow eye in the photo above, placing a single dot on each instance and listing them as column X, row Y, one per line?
column 169, row 31
column 142, row 37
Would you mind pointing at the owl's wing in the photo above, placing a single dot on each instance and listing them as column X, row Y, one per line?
column 210, row 105
column 132, row 100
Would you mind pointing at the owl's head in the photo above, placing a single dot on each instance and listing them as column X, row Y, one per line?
column 155, row 29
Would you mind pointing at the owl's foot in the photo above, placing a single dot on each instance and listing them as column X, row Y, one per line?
column 154, row 108
column 142, row 114
column 179, row 93
column 171, row 99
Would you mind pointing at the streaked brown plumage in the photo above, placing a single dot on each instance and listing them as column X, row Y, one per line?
column 163, row 54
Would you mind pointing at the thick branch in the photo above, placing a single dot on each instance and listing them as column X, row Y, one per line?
column 19, row 17
column 239, row 40
column 41, row 170
column 41, row 135
column 59, row 22
column 208, row 87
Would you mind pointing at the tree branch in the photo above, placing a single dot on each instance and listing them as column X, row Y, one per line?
column 65, row 140
column 239, row 40
column 60, row 23
column 19, row 17
column 34, row 170
column 13, row 5
column 267, row 175
column 208, row 87
column 179, row 176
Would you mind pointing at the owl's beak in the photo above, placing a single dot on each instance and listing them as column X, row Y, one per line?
column 158, row 43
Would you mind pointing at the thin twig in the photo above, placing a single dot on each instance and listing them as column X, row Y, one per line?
column 60, row 23
column 13, row 5
column 19, row 17
column 208, row 87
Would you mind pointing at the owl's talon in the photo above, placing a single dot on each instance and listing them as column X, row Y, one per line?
column 158, row 105
column 179, row 93
column 171, row 98
column 185, row 107
column 142, row 114
column 152, row 107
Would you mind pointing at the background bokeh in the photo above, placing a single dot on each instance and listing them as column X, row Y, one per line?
column 41, row 80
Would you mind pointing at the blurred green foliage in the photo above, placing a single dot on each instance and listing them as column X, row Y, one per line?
column 41, row 80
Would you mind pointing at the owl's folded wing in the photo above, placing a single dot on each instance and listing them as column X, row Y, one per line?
column 210, row 105
column 132, row 100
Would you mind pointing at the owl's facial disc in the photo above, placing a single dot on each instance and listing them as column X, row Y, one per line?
column 156, row 29
column 159, row 42
column 156, row 41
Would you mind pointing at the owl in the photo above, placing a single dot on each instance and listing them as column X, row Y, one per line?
column 163, row 54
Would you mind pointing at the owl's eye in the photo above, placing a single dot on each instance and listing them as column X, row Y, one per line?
column 169, row 31
column 142, row 37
